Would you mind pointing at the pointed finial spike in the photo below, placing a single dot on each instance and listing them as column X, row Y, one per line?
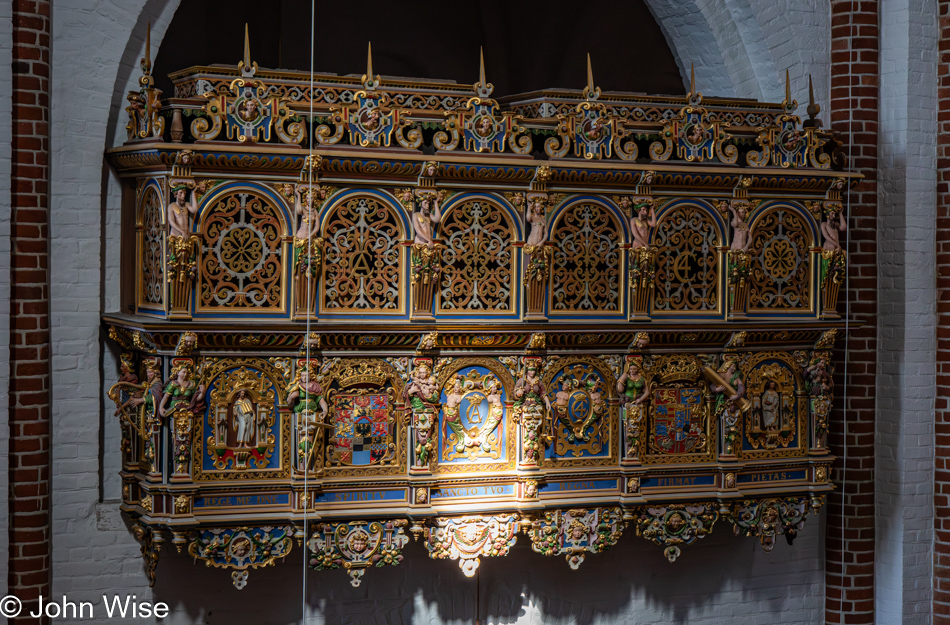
column 788, row 88
column 148, row 43
column 247, row 47
column 811, row 92
column 369, row 60
column 481, row 66
column 692, row 78
column 590, row 75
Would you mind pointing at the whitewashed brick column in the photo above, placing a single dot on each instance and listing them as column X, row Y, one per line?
column 906, row 316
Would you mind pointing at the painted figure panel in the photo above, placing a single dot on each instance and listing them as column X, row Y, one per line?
column 472, row 424
column 773, row 422
column 242, row 429
column 578, row 394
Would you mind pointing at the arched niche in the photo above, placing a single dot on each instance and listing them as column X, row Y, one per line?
column 479, row 264
column 363, row 261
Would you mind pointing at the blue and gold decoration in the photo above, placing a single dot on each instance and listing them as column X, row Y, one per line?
column 354, row 310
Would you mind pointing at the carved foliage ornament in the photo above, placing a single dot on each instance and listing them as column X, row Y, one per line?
column 575, row 533
column 357, row 545
column 241, row 549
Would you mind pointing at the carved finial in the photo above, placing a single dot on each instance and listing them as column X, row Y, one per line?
column 813, row 108
column 481, row 65
column 483, row 88
column 789, row 104
column 368, row 80
column 591, row 92
column 247, row 47
column 147, row 60
column 693, row 97
column 590, row 75
column 369, row 58
column 247, row 67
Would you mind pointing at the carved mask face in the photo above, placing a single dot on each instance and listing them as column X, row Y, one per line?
column 358, row 543
column 577, row 532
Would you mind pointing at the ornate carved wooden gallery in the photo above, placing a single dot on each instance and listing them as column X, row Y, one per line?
column 553, row 317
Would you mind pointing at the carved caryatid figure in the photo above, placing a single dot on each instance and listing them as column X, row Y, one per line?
column 728, row 404
column 244, row 421
column 308, row 199
column 182, row 393
column 741, row 239
column 731, row 374
column 305, row 396
column 643, row 218
column 538, row 220
column 531, row 402
column 633, row 386
column 833, row 224
column 634, row 396
column 426, row 219
column 422, row 394
column 180, row 211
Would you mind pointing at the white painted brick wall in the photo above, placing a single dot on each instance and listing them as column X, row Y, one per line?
column 6, row 130
column 907, row 313
column 741, row 48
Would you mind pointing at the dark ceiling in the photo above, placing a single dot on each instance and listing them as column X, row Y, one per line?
column 528, row 45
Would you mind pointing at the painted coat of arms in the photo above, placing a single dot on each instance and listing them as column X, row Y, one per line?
column 362, row 428
column 678, row 424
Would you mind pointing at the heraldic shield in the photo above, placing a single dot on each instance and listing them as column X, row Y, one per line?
column 361, row 432
column 677, row 420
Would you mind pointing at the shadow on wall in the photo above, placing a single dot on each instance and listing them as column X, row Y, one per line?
column 722, row 579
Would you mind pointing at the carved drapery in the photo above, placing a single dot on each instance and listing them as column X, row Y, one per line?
column 587, row 264
column 241, row 266
column 363, row 258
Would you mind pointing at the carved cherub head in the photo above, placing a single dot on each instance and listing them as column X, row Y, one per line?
column 577, row 530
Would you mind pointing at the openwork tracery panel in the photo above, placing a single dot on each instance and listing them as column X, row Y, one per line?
column 687, row 261
column 780, row 263
column 477, row 259
column 152, row 277
column 363, row 257
column 241, row 264
column 586, row 268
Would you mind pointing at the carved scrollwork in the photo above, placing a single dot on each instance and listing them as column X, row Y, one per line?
column 586, row 269
column 676, row 524
column 241, row 549
column 468, row 538
column 575, row 533
column 769, row 518
column 356, row 546
column 477, row 261
column 241, row 258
